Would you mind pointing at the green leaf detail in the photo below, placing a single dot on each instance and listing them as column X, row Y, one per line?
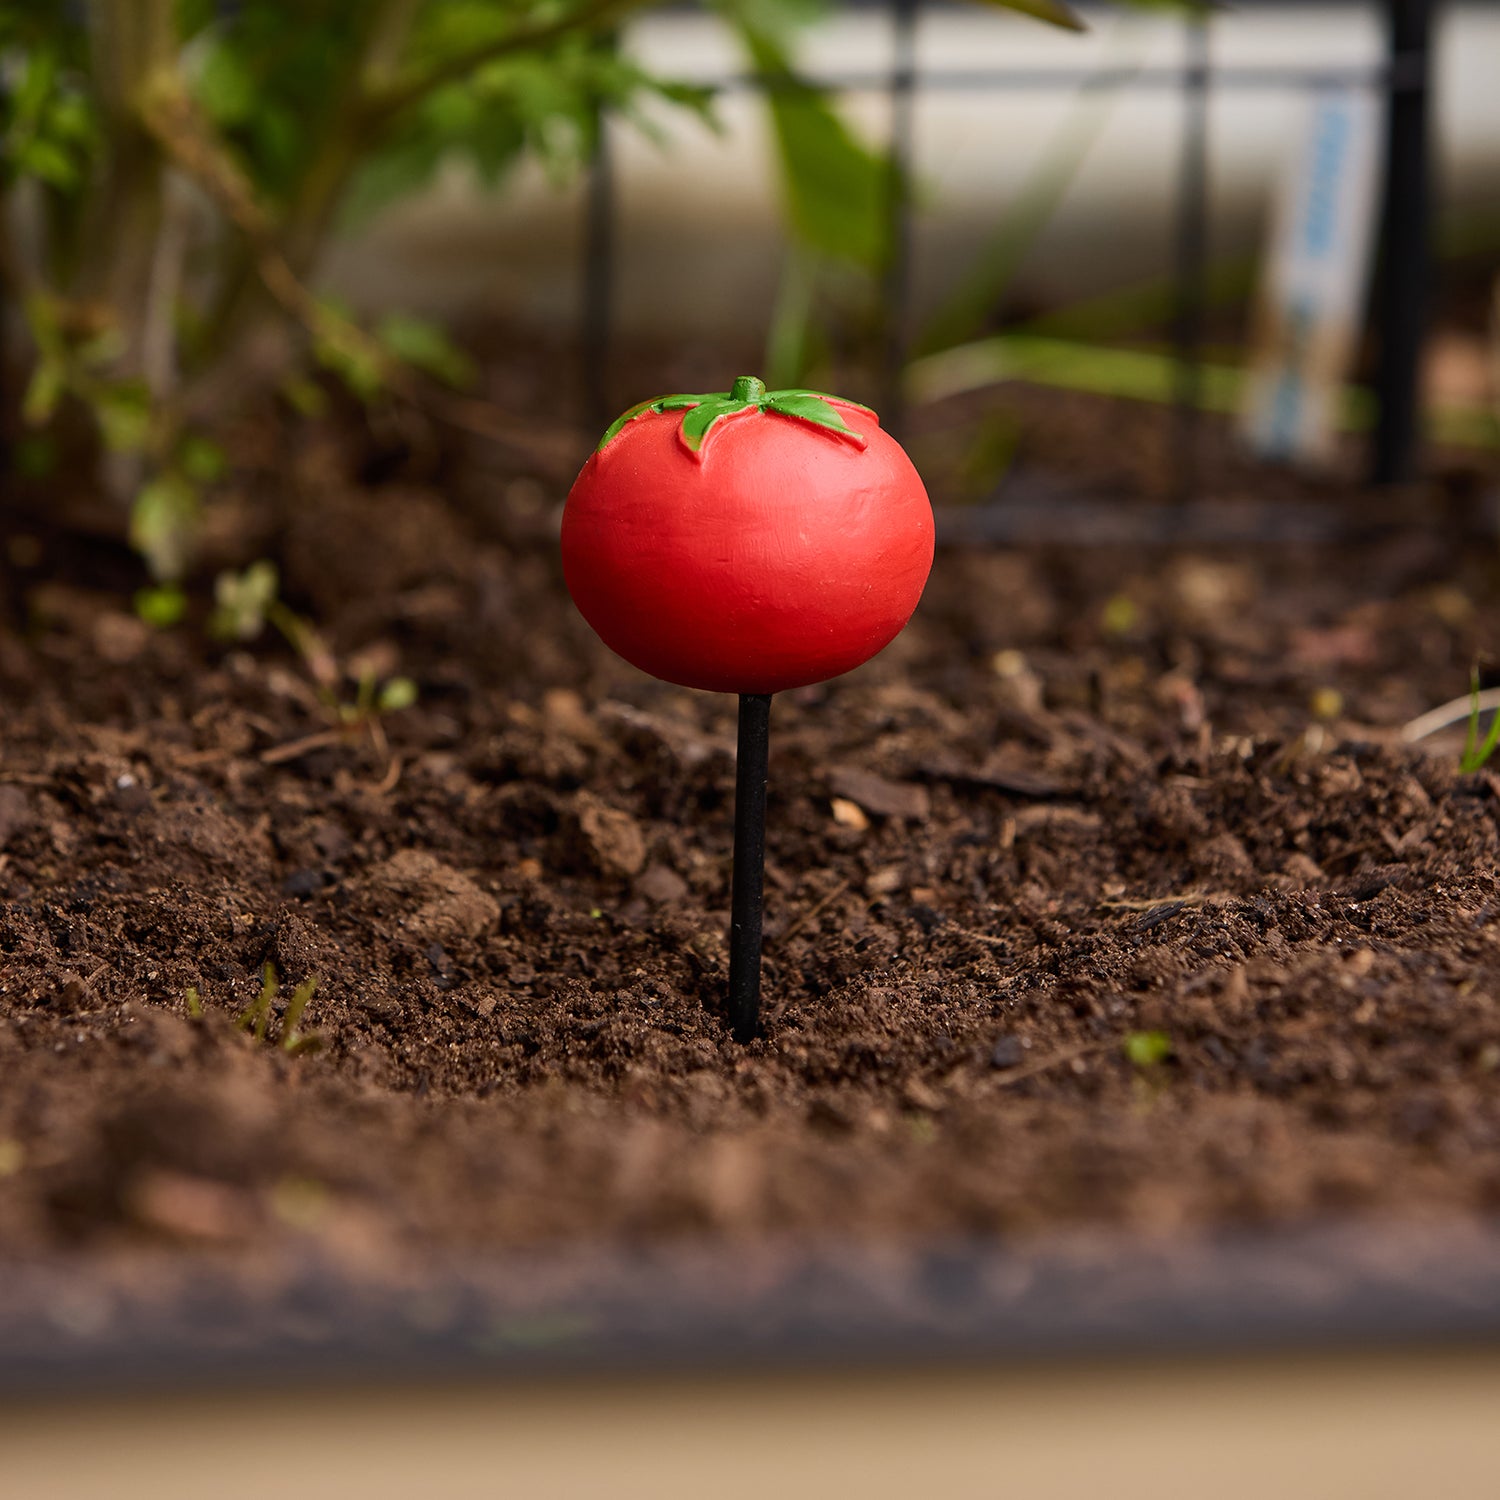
column 814, row 409
column 657, row 404
column 1051, row 11
column 823, row 396
column 619, row 424
column 705, row 412
column 699, row 422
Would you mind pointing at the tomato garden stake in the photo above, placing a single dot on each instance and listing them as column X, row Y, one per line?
column 747, row 542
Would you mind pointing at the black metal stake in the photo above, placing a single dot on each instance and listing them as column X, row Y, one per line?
column 896, row 281
column 747, row 896
column 1191, row 262
column 1405, row 241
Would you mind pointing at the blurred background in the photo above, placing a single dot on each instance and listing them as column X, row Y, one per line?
column 919, row 202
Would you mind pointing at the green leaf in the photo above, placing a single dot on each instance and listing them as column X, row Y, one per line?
column 1051, row 11
column 623, row 420
column 658, row 404
column 35, row 86
column 701, row 420
column 836, row 189
column 225, row 87
column 824, row 396
column 809, row 408
column 43, row 392
column 428, row 348
column 123, row 412
column 242, row 602
column 48, row 162
column 202, row 460
column 163, row 524
column 160, row 606
column 398, row 693
column 295, row 1007
column 1145, row 1049
column 355, row 360
column 70, row 119
column 306, row 397
column 1476, row 752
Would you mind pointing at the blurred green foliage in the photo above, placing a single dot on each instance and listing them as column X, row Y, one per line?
column 179, row 165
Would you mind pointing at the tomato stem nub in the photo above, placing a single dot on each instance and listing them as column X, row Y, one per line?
column 748, row 388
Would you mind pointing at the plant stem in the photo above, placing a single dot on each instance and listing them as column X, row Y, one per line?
column 133, row 40
column 747, row 898
column 159, row 323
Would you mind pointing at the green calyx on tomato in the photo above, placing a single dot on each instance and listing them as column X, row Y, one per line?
column 705, row 413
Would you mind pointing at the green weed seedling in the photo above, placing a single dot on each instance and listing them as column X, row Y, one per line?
column 1476, row 752
column 1146, row 1049
column 245, row 603
column 256, row 1017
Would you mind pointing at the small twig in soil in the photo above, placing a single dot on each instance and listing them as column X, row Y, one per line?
column 379, row 741
column 293, row 749
column 1056, row 1060
column 392, row 777
column 813, row 912
column 194, row 758
column 980, row 937
column 1350, row 852
column 1189, row 898
column 1453, row 712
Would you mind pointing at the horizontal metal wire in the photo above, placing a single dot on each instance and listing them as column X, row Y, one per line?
column 1397, row 77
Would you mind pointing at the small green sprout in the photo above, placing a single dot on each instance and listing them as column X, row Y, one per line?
column 245, row 603
column 194, row 1004
column 1477, row 752
column 1120, row 616
column 256, row 1017
column 241, row 602
column 1146, row 1049
column 292, row 1039
column 161, row 605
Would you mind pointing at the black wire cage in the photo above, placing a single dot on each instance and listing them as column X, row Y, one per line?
column 1401, row 288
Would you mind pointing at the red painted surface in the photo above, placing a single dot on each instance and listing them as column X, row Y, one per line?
column 783, row 554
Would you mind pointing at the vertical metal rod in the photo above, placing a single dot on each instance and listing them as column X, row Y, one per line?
column 896, row 282
column 598, row 278
column 747, row 895
column 1405, row 242
column 1191, row 261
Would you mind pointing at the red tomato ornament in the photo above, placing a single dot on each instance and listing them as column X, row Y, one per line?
column 747, row 542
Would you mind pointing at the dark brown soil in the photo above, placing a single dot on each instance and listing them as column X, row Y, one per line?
column 1089, row 795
